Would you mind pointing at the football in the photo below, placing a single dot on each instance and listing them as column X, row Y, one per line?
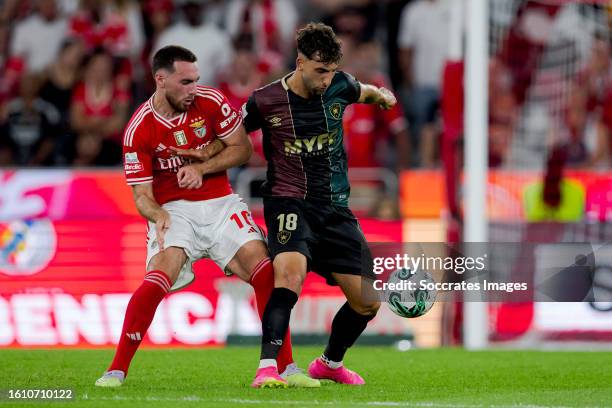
column 407, row 295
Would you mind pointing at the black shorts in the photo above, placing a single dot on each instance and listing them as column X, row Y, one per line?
column 329, row 236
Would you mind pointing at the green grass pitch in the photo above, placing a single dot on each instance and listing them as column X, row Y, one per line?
column 444, row 378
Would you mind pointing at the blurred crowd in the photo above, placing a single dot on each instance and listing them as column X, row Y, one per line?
column 550, row 87
column 72, row 71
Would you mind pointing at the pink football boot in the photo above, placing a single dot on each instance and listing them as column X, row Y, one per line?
column 319, row 370
column 268, row 377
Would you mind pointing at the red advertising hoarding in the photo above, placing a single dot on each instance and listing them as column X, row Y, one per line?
column 72, row 250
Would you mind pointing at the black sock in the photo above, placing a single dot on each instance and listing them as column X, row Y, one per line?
column 275, row 321
column 346, row 328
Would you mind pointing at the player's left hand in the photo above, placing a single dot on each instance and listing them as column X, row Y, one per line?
column 387, row 99
column 189, row 177
column 194, row 154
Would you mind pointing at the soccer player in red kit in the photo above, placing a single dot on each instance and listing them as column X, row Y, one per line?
column 191, row 210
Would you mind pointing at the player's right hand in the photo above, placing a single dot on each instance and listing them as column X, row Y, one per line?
column 189, row 177
column 194, row 154
column 162, row 223
column 387, row 100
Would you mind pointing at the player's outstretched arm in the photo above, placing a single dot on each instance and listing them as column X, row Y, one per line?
column 151, row 210
column 201, row 155
column 238, row 150
column 379, row 96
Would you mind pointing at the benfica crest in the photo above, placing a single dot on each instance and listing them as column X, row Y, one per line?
column 335, row 110
column 283, row 237
column 199, row 129
column 200, row 132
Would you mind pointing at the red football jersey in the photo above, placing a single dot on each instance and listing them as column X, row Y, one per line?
column 148, row 136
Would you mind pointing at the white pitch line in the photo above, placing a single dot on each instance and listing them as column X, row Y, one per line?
column 359, row 403
column 423, row 404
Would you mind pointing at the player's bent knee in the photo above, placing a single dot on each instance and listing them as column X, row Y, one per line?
column 290, row 278
column 367, row 309
column 248, row 257
column 290, row 271
column 293, row 281
column 170, row 261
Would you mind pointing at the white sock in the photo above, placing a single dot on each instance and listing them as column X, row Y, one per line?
column 291, row 369
column 116, row 373
column 267, row 362
column 329, row 363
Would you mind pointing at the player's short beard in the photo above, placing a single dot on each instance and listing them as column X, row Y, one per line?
column 175, row 104
column 312, row 90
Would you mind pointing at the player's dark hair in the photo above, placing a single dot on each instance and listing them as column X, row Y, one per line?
column 166, row 56
column 318, row 41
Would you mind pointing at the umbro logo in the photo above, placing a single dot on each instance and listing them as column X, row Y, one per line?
column 274, row 121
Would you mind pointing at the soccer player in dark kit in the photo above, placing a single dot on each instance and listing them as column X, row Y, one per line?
column 306, row 193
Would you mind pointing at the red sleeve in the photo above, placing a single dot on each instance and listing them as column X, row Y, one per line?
column 137, row 156
column 225, row 118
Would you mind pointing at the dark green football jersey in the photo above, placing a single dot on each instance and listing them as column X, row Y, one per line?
column 303, row 139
